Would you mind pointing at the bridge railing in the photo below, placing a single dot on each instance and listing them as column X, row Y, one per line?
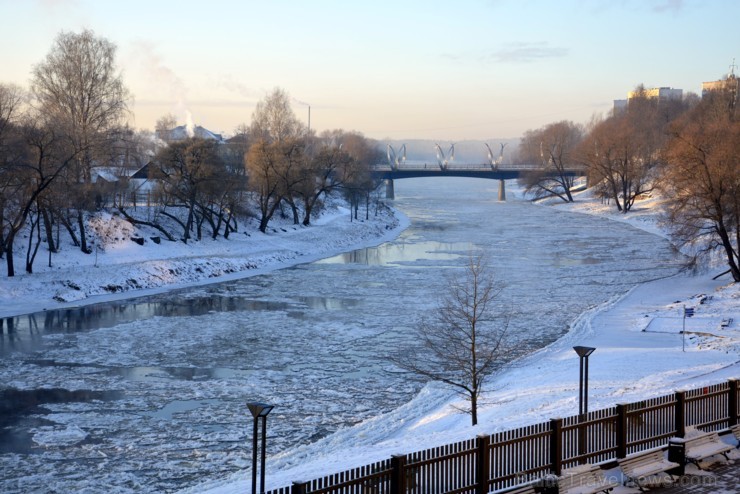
column 460, row 166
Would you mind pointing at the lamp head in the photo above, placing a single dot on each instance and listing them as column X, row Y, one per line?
column 583, row 351
column 260, row 409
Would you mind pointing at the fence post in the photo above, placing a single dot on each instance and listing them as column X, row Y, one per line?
column 556, row 446
column 680, row 413
column 732, row 408
column 398, row 474
column 482, row 461
column 622, row 430
column 299, row 488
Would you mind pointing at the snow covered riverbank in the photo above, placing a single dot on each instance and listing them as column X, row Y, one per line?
column 125, row 269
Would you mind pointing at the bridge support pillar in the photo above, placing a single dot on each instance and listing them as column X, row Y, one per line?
column 501, row 190
column 389, row 192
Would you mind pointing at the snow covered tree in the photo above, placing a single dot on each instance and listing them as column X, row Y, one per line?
column 464, row 341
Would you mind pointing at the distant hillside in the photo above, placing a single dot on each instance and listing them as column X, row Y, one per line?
column 469, row 151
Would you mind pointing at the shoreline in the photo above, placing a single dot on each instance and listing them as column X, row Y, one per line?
column 260, row 254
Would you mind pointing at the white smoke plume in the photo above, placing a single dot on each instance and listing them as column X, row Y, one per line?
column 153, row 65
column 189, row 126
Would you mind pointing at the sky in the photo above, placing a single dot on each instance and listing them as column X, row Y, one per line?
column 389, row 69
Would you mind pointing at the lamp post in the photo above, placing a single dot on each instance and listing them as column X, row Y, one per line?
column 583, row 353
column 259, row 410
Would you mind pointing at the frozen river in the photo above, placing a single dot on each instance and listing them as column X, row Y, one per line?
column 149, row 395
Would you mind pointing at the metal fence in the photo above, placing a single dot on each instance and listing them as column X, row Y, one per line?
column 506, row 459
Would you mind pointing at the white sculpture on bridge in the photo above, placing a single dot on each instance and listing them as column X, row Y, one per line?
column 495, row 162
column 442, row 160
column 396, row 159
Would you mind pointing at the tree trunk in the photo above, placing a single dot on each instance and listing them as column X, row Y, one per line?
column 474, row 407
column 68, row 226
column 32, row 251
column 9, row 254
column 727, row 244
column 189, row 222
column 83, row 236
column 49, row 229
column 263, row 223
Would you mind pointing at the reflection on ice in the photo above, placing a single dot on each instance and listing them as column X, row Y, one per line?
column 404, row 250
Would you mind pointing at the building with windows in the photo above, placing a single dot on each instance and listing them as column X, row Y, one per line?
column 729, row 83
column 657, row 93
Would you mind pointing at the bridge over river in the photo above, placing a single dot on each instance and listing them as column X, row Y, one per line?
column 502, row 172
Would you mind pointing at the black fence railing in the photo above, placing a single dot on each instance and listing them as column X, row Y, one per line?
column 506, row 459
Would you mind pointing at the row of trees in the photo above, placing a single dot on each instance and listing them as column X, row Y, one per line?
column 688, row 149
column 48, row 148
column 287, row 165
column 56, row 137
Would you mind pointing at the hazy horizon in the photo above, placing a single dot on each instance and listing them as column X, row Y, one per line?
column 409, row 70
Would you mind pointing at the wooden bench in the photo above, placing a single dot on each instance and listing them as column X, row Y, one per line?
column 525, row 489
column 637, row 467
column 584, row 479
column 735, row 429
column 703, row 446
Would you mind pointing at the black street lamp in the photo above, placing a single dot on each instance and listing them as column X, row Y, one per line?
column 259, row 410
column 583, row 353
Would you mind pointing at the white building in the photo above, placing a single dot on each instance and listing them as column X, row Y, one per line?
column 659, row 93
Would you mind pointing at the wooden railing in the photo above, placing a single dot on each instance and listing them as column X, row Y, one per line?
column 505, row 459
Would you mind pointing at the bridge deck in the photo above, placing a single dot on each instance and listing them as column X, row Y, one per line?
column 484, row 170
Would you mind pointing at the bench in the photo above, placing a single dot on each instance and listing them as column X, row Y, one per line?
column 735, row 429
column 638, row 466
column 584, row 479
column 525, row 489
column 703, row 446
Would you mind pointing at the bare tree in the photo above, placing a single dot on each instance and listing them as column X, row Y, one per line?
column 78, row 89
column 464, row 341
column 324, row 175
column 11, row 98
column 357, row 179
column 622, row 152
column 553, row 147
column 164, row 127
column 193, row 175
column 262, row 164
column 701, row 178
column 273, row 119
column 276, row 161
column 26, row 180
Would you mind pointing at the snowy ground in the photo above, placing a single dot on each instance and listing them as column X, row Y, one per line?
column 639, row 347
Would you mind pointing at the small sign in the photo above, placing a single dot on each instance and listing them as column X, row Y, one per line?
column 688, row 311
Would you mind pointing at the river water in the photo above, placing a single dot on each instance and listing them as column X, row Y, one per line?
column 149, row 394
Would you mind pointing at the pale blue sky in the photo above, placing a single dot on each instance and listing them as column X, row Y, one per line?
column 449, row 70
